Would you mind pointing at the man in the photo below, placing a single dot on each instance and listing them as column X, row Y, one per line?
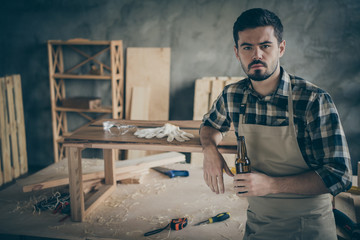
column 294, row 139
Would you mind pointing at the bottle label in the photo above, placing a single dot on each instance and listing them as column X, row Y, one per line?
column 242, row 168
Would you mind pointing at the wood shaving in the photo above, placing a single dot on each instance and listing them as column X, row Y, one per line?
column 224, row 236
column 133, row 232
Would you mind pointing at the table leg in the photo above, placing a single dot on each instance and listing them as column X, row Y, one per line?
column 109, row 166
column 75, row 184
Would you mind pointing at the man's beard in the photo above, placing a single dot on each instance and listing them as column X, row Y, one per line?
column 257, row 75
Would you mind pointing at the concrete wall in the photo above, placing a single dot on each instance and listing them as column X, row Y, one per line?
column 322, row 46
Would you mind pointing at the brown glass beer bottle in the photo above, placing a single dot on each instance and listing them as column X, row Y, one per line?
column 242, row 162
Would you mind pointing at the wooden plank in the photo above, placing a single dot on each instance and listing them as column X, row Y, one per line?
column 85, row 76
column 216, row 87
column 88, row 179
column 139, row 105
column 139, row 110
column 20, row 124
column 201, row 98
column 78, row 42
column 123, row 170
column 5, row 132
column 206, row 91
column 13, row 127
column 149, row 67
column 225, row 147
column 98, row 110
column 76, row 184
column 93, row 184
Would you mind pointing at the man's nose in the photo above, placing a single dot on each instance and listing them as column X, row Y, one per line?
column 257, row 55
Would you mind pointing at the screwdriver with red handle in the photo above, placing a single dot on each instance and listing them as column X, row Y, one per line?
column 347, row 224
column 218, row 218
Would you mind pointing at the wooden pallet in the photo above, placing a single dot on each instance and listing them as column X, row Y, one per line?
column 207, row 89
column 13, row 158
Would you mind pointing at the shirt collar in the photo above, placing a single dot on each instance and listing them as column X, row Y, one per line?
column 283, row 87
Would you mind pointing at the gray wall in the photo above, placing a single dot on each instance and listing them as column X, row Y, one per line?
column 322, row 46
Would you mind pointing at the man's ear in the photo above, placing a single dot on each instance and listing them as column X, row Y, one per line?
column 236, row 52
column 282, row 46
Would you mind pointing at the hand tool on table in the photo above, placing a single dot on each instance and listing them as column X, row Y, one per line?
column 347, row 224
column 175, row 224
column 171, row 173
column 218, row 218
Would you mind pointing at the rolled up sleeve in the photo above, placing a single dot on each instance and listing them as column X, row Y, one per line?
column 331, row 157
column 218, row 116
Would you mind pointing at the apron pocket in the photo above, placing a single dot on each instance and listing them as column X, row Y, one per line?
column 265, row 228
column 319, row 226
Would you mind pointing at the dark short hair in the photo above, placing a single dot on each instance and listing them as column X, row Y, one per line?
column 257, row 17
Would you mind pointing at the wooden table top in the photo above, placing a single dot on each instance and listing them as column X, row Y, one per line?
column 94, row 136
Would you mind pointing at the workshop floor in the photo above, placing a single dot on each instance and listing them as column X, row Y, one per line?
column 130, row 211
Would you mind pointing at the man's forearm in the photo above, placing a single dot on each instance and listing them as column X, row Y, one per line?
column 209, row 137
column 308, row 183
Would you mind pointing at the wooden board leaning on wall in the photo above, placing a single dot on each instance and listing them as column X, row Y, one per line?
column 207, row 89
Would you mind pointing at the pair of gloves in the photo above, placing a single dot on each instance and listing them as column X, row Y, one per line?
column 171, row 131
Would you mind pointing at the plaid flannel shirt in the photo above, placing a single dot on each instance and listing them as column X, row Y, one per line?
column 319, row 131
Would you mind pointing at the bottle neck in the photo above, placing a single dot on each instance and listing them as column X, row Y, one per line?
column 241, row 147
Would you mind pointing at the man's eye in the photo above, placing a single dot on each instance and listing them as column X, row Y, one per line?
column 265, row 46
column 247, row 48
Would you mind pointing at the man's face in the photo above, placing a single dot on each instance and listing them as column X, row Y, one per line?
column 259, row 52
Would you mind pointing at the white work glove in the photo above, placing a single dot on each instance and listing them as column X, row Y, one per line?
column 169, row 130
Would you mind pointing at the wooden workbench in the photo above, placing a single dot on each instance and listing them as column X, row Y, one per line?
column 94, row 136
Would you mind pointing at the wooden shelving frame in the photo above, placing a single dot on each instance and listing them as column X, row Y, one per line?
column 58, row 75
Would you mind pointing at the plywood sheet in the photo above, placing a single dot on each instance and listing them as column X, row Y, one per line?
column 149, row 67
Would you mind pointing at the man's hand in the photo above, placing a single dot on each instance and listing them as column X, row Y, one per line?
column 259, row 184
column 253, row 184
column 214, row 164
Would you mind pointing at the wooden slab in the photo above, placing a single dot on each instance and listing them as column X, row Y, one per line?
column 149, row 67
column 92, row 169
column 94, row 136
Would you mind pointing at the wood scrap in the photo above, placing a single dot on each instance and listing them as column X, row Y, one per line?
column 124, row 169
column 139, row 110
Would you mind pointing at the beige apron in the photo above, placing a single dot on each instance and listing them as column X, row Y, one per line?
column 275, row 152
